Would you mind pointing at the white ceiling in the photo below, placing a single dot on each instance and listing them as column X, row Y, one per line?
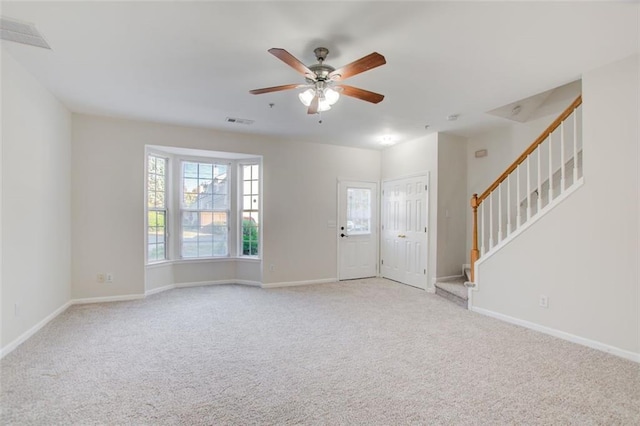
column 193, row 63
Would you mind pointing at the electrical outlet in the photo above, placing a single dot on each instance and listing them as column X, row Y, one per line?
column 544, row 301
column 272, row 267
column 100, row 278
column 16, row 310
column 109, row 277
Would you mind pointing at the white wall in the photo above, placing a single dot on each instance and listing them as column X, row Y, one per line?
column 417, row 157
column 453, row 205
column 36, row 147
column 584, row 254
column 300, row 181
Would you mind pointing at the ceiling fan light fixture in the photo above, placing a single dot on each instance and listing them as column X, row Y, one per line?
column 331, row 95
column 307, row 96
column 328, row 98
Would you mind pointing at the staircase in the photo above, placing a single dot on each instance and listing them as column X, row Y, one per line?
column 547, row 172
column 454, row 289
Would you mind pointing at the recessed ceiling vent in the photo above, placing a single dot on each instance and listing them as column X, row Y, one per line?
column 239, row 121
column 21, row 32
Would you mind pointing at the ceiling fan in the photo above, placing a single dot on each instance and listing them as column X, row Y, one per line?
column 323, row 81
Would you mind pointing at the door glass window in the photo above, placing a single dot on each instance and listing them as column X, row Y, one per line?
column 358, row 211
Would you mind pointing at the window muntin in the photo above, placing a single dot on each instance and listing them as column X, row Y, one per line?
column 204, row 209
column 250, row 209
column 156, row 208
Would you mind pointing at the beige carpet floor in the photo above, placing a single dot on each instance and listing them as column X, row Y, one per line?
column 360, row 352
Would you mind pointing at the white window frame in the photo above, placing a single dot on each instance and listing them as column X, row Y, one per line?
column 181, row 209
column 241, row 209
column 167, row 203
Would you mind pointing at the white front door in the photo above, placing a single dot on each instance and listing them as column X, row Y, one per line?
column 404, row 231
column 357, row 230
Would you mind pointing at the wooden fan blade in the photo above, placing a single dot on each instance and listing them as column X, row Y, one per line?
column 361, row 65
column 365, row 95
column 313, row 106
column 275, row 89
column 293, row 62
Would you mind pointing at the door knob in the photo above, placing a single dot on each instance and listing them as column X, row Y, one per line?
column 344, row 235
column 402, row 236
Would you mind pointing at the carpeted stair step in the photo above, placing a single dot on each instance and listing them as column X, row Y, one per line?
column 454, row 290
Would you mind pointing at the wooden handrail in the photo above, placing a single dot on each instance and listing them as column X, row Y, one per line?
column 543, row 136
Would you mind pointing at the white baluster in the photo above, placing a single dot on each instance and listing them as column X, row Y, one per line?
column 550, row 171
column 539, row 204
column 562, row 160
column 529, row 187
column 518, row 199
column 499, row 212
column 482, row 222
column 490, row 221
column 575, row 146
column 508, row 205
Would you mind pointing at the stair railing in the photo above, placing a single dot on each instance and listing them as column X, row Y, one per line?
column 549, row 170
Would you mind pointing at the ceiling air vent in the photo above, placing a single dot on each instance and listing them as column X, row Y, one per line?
column 21, row 32
column 239, row 121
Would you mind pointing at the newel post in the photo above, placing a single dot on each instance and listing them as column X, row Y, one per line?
column 475, row 254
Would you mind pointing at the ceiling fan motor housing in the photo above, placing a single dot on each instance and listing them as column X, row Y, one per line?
column 321, row 71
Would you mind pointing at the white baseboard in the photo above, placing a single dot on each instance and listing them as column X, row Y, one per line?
column 201, row 284
column 249, row 283
column 448, row 278
column 159, row 290
column 623, row 353
column 123, row 298
column 218, row 282
column 33, row 330
column 297, row 283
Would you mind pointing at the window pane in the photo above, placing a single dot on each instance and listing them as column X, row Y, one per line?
column 254, row 171
column 220, row 219
column 190, row 186
column 189, row 249
column 205, row 171
column 255, row 218
column 160, row 164
column 246, row 202
column 358, row 210
column 159, row 199
column 255, row 187
column 189, row 170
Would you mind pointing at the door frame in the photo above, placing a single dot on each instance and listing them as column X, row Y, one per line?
column 427, row 174
column 376, row 214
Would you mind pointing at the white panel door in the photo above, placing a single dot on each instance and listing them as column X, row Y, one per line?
column 357, row 230
column 404, row 231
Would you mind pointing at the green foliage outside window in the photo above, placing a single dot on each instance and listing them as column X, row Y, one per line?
column 249, row 238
